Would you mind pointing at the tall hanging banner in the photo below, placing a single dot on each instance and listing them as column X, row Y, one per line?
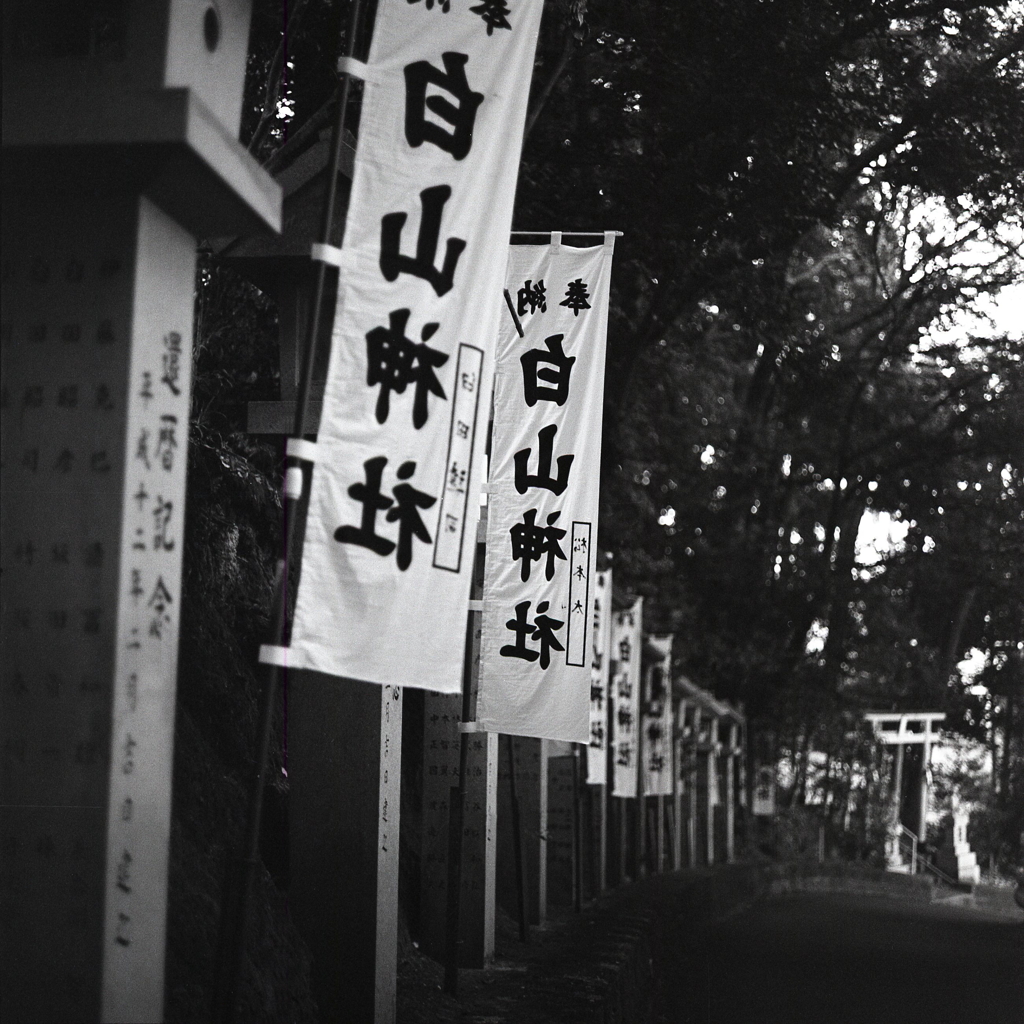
column 657, row 718
column 627, row 638
column 390, row 536
column 597, row 751
column 536, row 648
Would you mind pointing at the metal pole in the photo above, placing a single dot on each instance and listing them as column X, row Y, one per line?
column 577, row 839
column 457, row 793
column 236, row 896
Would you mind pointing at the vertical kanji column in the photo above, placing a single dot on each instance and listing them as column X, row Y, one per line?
column 118, row 150
column 440, row 772
column 561, row 867
column 532, row 790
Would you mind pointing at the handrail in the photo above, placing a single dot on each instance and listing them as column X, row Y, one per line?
column 941, row 875
column 920, row 862
column 903, row 833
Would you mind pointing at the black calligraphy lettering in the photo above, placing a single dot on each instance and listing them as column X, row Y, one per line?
column 494, row 14
column 533, row 296
column 393, row 361
column 542, row 629
column 525, row 480
column 557, row 373
column 531, row 543
column 408, row 501
column 393, row 263
column 461, row 115
column 373, row 501
column 576, row 296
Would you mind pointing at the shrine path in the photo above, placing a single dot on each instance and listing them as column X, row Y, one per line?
column 836, row 959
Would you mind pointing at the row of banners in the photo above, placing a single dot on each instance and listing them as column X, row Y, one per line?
column 425, row 352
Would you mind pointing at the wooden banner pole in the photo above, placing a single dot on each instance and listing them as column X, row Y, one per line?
column 237, row 895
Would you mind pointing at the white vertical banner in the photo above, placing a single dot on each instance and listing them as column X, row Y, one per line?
column 764, row 789
column 627, row 638
column 597, row 751
column 536, row 649
column 657, row 717
column 390, row 536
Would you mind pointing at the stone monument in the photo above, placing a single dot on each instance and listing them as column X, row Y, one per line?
column 119, row 149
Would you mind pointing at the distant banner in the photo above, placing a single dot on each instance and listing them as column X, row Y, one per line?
column 764, row 789
column 657, row 718
column 627, row 634
column 597, row 752
column 536, row 649
column 390, row 537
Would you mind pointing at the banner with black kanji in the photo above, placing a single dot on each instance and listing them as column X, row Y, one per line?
column 390, row 536
column 597, row 751
column 624, row 692
column 657, row 716
column 536, row 647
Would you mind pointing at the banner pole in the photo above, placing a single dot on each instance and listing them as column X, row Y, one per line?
column 457, row 793
column 577, row 839
column 237, row 894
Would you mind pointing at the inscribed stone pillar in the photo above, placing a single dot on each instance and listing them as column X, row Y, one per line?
column 440, row 772
column 118, row 149
column 560, row 867
column 441, row 716
column 344, row 770
column 531, row 789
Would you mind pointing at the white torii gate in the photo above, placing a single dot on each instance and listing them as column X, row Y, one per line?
column 897, row 729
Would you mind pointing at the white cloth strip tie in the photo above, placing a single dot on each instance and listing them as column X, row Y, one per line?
column 327, row 254
column 354, row 68
column 476, row 606
column 556, row 241
column 274, row 654
column 293, row 483
column 609, row 241
column 300, row 448
column 470, row 727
